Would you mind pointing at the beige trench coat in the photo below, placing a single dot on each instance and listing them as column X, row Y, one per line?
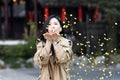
column 54, row 68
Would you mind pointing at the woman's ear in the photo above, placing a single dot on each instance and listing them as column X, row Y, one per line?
column 60, row 29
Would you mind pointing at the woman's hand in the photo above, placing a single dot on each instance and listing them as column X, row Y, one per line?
column 51, row 37
column 47, row 36
column 55, row 36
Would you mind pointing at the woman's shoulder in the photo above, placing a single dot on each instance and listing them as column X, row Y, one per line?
column 39, row 42
column 66, row 41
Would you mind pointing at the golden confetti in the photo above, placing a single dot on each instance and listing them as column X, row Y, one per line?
column 77, row 73
column 87, row 42
column 77, row 32
column 118, row 72
column 81, row 44
column 75, row 18
column 63, row 22
column 75, row 23
column 77, row 63
column 110, row 73
column 30, row 47
column 116, row 23
column 40, row 22
column 66, row 26
column 104, row 34
column 85, row 37
column 77, row 43
column 89, row 19
column 101, row 44
column 80, row 79
column 68, row 21
column 95, row 47
column 101, row 78
column 92, row 36
column 112, row 62
column 115, row 49
column 71, row 15
column 99, row 39
column 111, row 51
column 102, row 49
column 92, row 52
column 107, row 53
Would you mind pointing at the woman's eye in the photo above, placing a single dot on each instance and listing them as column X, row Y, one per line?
column 48, row 24
column 55, row 24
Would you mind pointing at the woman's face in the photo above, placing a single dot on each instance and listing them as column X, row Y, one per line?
column 54, row 26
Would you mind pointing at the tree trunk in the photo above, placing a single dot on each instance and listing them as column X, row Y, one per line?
column 6, row 18
column 35, row 15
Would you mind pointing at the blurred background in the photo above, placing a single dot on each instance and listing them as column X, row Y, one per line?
column 92, row 25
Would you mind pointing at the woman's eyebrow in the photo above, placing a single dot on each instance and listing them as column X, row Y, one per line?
column 55, row 22
column 49, row 23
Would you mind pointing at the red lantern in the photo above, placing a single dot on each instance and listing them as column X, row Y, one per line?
column 31, row 16
column 63, row 14
column 80, row 13
column 46, row 13
column 96, row 14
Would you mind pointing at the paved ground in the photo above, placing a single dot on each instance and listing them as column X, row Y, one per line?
column 77, row 73
column 95, row 74
column 18, row 74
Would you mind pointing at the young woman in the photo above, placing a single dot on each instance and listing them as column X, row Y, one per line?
column 54, row 52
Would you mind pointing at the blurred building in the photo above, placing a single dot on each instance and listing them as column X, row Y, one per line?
column 78, row 15
column 12, row 19
column 14, row 14
column 85, row 21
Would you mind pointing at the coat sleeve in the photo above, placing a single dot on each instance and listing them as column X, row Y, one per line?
column 41, row 56
column 63, row 52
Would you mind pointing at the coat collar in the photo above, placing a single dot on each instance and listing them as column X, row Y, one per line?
column 58, row 40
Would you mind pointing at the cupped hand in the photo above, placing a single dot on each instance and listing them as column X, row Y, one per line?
column 55, row 36
column 47, row 36
column 51, row 37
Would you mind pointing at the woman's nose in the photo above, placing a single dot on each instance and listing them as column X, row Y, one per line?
column 53, row 27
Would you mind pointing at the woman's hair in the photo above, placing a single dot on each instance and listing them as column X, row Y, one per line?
column 44, row 29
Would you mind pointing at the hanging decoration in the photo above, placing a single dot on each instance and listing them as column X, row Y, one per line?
column 46, row 13
column 63, row 14
column 80, row 14
column 96, row 14
column 14, row 1
column 31, row 16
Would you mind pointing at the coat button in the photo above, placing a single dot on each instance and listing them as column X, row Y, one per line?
column 50, row 78
column 41, row 58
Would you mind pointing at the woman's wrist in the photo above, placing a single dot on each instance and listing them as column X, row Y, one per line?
column 48, row 42
column 48, row 45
